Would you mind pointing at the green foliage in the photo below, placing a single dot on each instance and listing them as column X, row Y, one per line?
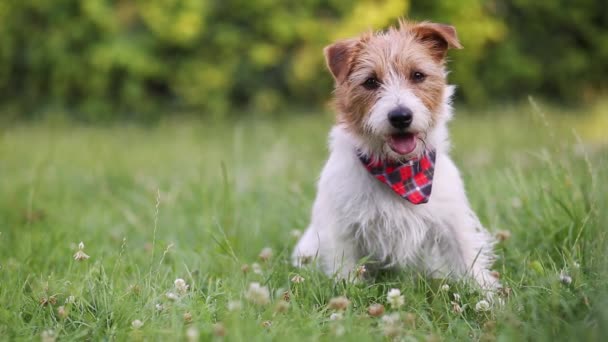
column 107, row 58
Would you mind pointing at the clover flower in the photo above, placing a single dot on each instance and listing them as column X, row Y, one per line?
column 297, row 279
column 339, row 303
column 265, row 254
column 180, row 286
column 258, row 294
column 80, row 254
column 395, row 299
column 482, row 305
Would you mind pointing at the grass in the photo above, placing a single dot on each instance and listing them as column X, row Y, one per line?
column 193, row 200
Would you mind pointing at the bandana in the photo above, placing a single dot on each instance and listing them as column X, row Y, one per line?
column 412, row 180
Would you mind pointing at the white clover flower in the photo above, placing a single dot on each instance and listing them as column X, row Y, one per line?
column 62, row 312
column 159, row 307
column 296, row 233
column 192, row 334
column 482, row 305
column 180, row 286
column 258, row 294
column 48, row 336
column 265, row 254
column 297, row 279
column 80, row 254
column 70, row 300
column 565, row 278
column 336, row 316
column 257, row 269
column 234, row 305
column 457, row 297
column 391, row 324
column 360, row 271
column 171, row 296
column 339, row 303
column 445, row 287
column 457, row 308
column 395, row 299
column 136, row 324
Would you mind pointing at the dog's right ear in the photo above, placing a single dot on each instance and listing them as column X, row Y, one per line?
column 339, row 57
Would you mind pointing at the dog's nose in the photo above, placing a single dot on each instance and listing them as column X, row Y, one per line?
column 400, row 117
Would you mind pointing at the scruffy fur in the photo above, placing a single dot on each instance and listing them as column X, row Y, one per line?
column 354, row 215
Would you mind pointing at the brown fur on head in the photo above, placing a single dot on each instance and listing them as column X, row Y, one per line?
column 400, row 68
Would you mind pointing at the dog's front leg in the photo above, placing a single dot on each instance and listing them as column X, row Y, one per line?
column 337, row 256
column 468, row 249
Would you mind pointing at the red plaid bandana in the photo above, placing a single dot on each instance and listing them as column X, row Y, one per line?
column 411, row 180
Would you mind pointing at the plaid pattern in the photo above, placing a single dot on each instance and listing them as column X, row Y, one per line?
column 412, row 180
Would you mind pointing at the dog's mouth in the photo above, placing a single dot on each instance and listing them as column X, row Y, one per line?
column 402, row 143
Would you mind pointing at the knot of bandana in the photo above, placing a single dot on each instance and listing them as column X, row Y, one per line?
column 411, row 180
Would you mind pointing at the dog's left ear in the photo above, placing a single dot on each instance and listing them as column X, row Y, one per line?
column 440, row 37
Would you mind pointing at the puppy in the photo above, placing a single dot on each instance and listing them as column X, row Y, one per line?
column 389, row 191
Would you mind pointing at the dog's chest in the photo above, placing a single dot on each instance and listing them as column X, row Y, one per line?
column 379, row 220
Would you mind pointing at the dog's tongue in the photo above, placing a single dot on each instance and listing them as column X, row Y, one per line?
column 402, row 143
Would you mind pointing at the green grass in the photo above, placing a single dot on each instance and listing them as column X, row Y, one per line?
column 193, row 200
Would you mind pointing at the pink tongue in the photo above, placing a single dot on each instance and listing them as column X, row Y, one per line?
column 402, row 143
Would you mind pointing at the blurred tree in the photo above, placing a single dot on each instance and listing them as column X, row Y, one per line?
column 106, row 58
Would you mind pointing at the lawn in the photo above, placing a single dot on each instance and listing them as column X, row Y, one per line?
column 200, row 201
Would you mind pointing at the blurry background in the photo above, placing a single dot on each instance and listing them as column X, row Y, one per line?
column 108, row 59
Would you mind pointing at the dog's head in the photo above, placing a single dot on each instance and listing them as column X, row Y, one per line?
column 391, row 89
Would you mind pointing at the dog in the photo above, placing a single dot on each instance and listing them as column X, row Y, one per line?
column 389, row 193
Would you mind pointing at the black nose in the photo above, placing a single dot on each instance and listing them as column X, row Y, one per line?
column 400, row 117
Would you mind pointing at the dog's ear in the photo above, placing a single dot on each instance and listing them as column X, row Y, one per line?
column 339, row 57
column 440, row 37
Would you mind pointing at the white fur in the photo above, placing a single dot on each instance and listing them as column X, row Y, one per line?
column 355, row 216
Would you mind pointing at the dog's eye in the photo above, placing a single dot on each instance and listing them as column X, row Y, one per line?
column 418, row 77
column 371, row 83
